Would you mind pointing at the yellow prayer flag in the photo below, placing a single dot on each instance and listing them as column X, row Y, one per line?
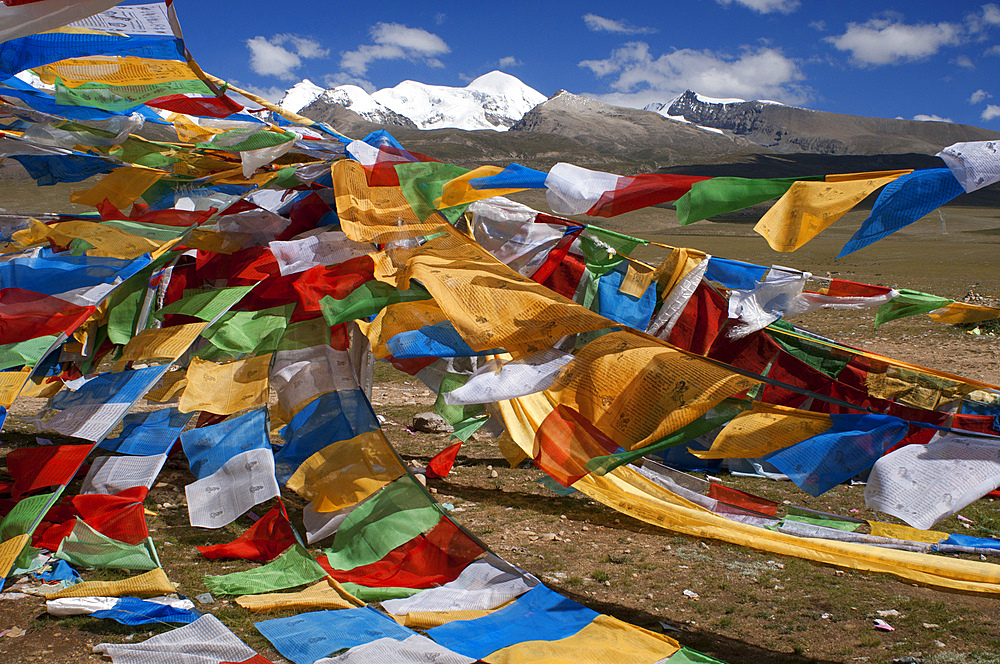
column 762, row 430
column 376, row 214
column 165, row 343
column 460, row 192
column 636, row 389
column 327, row 594
column 9, row 551
column 225, row 389
column 809, row 207
column 675, row 266
column 122, row 186
column 428, row 619
column 169, row 387
column 115, row 70
column 628, row 492
column 491, row 305
column 106, row 240
column 606, row 640
column 11, row 384
column 897, row 531
column 963, row 312
column 150, row 584
column 346, row 472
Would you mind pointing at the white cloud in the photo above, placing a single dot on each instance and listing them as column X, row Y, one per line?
column 819, row 26
column 270, row 57
column 991, row 14
column 923, row 117
column 963, row 61
column 978, row 96
column 641, row 78
column 992, row 111
column 766, row 6
column 992, row 50
column 394, row 41
column 884, row 42
column 600, row 24
column 509, row 61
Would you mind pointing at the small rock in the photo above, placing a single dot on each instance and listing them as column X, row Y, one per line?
column 938, row 643
column 205, row 598
column 690, row 593
column 550, row 537
column 887, row 612
column 430, row 423
column 931, row 625
column 494, row 473
column 422, row 478
column 433, row 490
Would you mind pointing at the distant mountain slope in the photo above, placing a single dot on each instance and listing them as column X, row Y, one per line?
column 790, row 129
column 647, row 136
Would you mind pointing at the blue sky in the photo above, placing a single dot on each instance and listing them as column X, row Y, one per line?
column 920, row 59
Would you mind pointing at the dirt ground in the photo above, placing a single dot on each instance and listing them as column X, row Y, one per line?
column 749, row 606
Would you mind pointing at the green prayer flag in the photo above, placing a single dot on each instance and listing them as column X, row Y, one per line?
column 295, row 567
column 909, row 303
column 709, row 198
column 422, row 183
column 25, row 353
column 205, row 305
column 123, row 97
column 621, row 243
column 239, row 332
column 822, row 356
column 688, row 656
column 455, row 414
column 367, row 300
column 396, row 514
column 85, row 547
column 465, row 428
column 818, row 519
column 256, row 139
column 21, row 517
column 366, row 594
column 305, row 334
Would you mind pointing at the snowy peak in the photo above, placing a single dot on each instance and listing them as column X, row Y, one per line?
column 493, row 101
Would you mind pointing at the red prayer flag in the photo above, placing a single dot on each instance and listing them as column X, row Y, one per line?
column 262, row 542
column 443, row 461
column 25, row 314
column 214, row 107
column 742, row 499
column 37, row 467
column 431, row 559
column 566, row 442
column 701, row 321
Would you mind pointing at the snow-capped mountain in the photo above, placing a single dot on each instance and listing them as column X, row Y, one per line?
column 493, row 101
